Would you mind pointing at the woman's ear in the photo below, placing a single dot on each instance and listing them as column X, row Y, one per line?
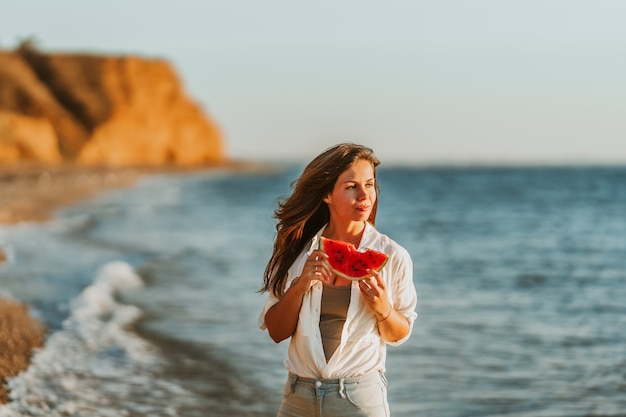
column 326, row 199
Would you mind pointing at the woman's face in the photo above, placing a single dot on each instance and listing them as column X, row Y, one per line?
column 354, row 194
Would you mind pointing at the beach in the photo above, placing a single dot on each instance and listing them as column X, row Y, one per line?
column 31, row 193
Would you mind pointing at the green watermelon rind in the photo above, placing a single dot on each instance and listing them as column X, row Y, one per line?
column 348, row 277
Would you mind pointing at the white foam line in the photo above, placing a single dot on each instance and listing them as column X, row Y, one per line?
column 94, row 366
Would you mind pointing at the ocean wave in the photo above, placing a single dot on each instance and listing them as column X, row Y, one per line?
column 95, row 365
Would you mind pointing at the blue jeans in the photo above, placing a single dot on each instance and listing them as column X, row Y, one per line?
column 362, row 396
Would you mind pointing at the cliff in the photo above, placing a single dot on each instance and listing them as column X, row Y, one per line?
column 100, row 110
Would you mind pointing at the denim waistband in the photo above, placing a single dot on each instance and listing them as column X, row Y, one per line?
column 338, row 384
column 376, row 375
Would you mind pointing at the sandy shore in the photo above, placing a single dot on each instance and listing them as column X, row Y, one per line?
column 19, row 335
column 30, row 192
column 34, row 192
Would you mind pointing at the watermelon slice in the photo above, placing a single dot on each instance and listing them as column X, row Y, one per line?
column 347, row 262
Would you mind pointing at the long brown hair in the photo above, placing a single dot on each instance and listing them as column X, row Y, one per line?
column 302, row 214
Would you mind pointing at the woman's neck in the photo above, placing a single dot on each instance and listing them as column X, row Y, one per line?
column 350, row 233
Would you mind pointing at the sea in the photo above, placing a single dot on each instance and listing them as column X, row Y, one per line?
column 150, row 294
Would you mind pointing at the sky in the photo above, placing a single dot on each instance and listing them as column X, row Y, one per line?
column 421, row 82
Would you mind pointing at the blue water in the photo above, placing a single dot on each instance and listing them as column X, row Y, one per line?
column 150, row 295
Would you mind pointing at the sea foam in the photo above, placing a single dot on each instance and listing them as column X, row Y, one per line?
column 95, row 365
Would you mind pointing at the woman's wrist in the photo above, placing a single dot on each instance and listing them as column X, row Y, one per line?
column 385, row 316
column 301, row 285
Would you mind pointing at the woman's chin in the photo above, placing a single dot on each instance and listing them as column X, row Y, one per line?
column 362, row 216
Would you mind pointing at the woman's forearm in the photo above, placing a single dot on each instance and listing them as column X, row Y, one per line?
column 282, row 318
column 393, row 327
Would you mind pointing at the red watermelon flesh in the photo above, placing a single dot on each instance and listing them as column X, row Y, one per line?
column 349, row 263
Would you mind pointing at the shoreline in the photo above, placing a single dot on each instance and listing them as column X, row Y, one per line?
column 196, row 365
column 32, row 193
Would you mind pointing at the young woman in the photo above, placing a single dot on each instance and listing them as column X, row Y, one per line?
column 339, row 329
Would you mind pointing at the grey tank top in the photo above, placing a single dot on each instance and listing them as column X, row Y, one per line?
column 335, row 302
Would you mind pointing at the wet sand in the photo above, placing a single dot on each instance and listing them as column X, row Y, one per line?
column 223, row 390
column 33, row 192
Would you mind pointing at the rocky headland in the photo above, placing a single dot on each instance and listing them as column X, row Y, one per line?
column 100, row 110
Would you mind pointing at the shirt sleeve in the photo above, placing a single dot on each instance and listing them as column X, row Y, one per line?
column 269, row 302
column 404, row 295
column 294, row 271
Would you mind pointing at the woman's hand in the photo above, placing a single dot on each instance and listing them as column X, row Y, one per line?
column 316, row 268
column 375, row 295
column 392, row 326
column 282, row 318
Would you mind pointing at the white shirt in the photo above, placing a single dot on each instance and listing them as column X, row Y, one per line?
column 361, row 350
